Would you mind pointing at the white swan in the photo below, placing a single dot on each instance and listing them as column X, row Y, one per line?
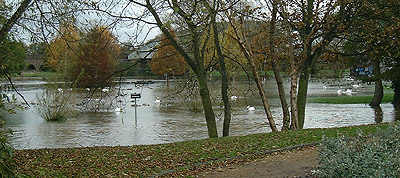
column 234, row 98
column 340, row 92
column 250, row 108
column 348, row 92
column 356, row 86
column 105, row 90
column 60, row 90
column 349, row 79
column 87, row 89
column 157, row 100
column 117, row 109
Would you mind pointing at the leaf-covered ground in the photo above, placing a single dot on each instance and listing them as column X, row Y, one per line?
column 175, row 159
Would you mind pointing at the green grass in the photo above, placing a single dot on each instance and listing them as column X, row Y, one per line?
column 387, row 98
column 44, row 75
column 186, row 157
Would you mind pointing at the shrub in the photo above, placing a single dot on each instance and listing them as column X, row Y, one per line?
column 54, row 105
column 7, row 164
column 363, row 156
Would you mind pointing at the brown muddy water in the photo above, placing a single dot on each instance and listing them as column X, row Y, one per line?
column 164, row 123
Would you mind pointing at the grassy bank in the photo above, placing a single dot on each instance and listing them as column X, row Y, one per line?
column 387, row 98
column 43, row 75
column 184, row 158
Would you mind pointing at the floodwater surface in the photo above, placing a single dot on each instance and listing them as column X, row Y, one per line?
column 156, row 123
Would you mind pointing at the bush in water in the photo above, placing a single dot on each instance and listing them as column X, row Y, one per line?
column 54, row 105
column 363, row 156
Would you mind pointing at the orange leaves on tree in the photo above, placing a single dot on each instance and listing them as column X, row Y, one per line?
column 63, row 48
column 99, row 51
column 88, row 59
column 166, row 59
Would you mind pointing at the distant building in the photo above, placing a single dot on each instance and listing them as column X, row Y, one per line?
column 144, row 53
column 141, row 56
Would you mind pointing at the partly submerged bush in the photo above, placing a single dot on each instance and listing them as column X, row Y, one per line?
column 54, row 105
column 363, row 156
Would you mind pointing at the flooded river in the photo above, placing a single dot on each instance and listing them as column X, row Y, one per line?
column 156, row 123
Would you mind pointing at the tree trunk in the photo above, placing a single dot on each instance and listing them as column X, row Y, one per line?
column 293, row 101
column 378, row 94
column 167, row 79
column 225, row 98
column 282, row 97
column 302, row 96
column 267, row 107
column 378, row 114
column 293, row 91
column 396, row 97
column 207, row 106
column 224, row 82
column 275, row 67
column 6, row 27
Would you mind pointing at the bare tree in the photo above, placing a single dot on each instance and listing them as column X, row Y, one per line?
column 241, row 38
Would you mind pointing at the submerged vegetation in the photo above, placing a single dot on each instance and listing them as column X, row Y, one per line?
column 55, row 105
column 174, row 159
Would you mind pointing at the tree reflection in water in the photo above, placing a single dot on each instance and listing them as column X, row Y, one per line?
column 396, row 114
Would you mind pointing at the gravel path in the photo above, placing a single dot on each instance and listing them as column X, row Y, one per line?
column 296, row 163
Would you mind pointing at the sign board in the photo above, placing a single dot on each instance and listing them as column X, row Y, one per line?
column 135, row 95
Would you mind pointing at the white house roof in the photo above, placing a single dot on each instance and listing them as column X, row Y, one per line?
column 143, row 52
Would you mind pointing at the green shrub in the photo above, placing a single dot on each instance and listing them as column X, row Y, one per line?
column 7, row 164
column 362, row 156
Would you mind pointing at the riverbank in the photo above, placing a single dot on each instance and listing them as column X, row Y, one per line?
column 175, row 159
column 387, row 98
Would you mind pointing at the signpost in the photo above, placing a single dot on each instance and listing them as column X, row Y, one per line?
column 135, row 96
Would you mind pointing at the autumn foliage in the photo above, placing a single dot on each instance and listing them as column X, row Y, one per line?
column 63, row 49
column 88, row 59
column 167, row 60
column 97, row 60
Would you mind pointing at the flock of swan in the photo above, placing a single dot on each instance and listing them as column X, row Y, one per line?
column 348, row 92
column 158, row 100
